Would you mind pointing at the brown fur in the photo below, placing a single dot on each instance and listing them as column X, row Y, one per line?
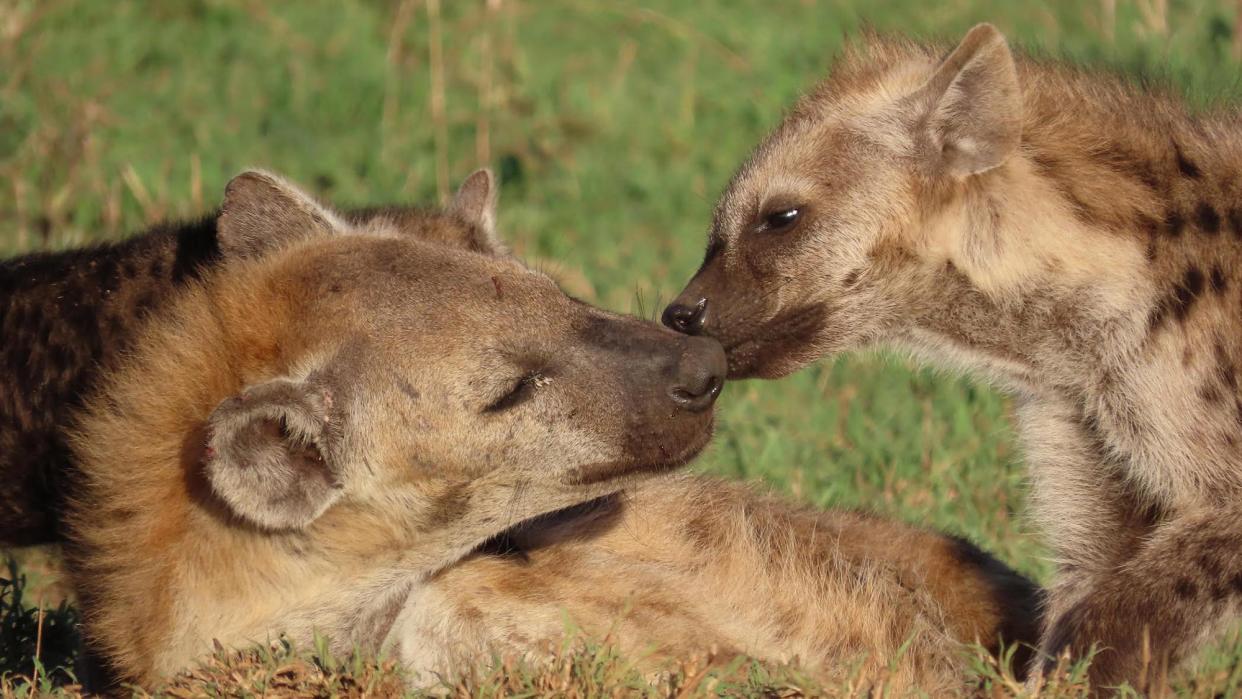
column 68, row 316
column 304, row 436
column 1063, row 233
column 679, row 565
column 170, row 555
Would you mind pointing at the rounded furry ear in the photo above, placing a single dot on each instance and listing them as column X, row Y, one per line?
column 268, row 454
column 262, row 212
column 973, row 105
column 475, row 205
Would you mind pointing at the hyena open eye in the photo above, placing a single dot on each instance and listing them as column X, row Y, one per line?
column 780, row 220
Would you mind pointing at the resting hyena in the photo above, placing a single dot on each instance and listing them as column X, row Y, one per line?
column 1065, row 234
column 322, row 438
column 65, row 318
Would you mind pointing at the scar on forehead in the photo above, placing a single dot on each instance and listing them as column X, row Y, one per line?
column 406, row 388
column 500, row 295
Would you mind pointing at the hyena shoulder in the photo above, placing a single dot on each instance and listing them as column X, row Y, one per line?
column 65, row 317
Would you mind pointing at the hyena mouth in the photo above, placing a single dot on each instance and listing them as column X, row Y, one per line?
column 653, row 459
column 780, row 345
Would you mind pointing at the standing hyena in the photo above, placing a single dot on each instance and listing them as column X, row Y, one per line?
column 1067, row 235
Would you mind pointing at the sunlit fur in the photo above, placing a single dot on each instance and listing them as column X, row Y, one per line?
column 165, row 564
column 682, row 565
column 394, row 348
column 1085, row 256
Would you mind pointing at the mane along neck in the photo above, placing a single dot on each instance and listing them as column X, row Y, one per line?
column 145, row 521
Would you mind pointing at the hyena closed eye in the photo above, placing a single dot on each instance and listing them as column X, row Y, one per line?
column 1069, row 236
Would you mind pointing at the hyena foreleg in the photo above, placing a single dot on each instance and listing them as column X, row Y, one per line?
column 1091, row 517
column 1184, row 583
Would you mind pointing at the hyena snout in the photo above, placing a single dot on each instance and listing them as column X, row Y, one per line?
column 699, row 374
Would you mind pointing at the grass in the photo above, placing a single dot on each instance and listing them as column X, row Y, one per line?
column 613, row 126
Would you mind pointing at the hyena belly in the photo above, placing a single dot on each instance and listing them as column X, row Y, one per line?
column 66, row 317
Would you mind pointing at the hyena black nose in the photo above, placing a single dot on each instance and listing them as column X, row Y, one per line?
column 701, row 372
column 686, row 319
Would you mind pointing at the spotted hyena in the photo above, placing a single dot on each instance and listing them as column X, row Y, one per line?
column 396, row 441
column 1068, row 235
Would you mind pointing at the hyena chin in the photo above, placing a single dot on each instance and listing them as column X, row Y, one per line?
column 1069, row 236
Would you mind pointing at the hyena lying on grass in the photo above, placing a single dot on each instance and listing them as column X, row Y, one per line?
column 66, row 317
column 324, row 439
column 1067, row 235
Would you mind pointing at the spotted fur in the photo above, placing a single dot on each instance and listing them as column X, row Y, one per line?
column 307, row 433
column 1067, row 234
column 682, row 565
column 308, row 442
column 67, row 317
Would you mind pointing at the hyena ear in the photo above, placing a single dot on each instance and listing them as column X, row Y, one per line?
column 262, row 212
column 972, row 106
column 269, row 455
column 475, row 205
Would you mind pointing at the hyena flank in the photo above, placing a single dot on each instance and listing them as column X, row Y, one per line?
column 327, row 437
column 66, row 317
column 1067, row 235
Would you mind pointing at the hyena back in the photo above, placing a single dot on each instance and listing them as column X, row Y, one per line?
column 1071, row 237
column 64, row 316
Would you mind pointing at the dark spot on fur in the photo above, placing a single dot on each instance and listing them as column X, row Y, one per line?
column 1185, row 165
column 1209, row 565
column 405, row 387
column 1235, row 221
column 1235, row 583
column 1187, row 292
column 1211, row 393
column 1207, row 218
column 1152, row 227
column 1185, row 588
column 1218, row 280
column 851, row 277
column 1174, row 222
column 1128, row 165
column 452, row 505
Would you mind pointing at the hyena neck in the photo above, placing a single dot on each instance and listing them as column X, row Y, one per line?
column 1022, row 289
column 1114, row 221
column 65, row 316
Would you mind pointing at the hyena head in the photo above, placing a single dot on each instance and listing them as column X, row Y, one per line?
column 433, row 374
column 833, row 230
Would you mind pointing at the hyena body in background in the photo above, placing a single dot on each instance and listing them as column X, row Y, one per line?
column 1074, row 239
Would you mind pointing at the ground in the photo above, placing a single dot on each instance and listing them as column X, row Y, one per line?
column 613, row 126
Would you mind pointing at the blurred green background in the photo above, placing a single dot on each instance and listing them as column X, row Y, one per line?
column 613, row 126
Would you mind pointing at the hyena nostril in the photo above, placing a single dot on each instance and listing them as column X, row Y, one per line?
column 700, row 375
column 685, row 319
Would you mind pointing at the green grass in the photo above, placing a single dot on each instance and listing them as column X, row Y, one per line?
column 613, row 125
